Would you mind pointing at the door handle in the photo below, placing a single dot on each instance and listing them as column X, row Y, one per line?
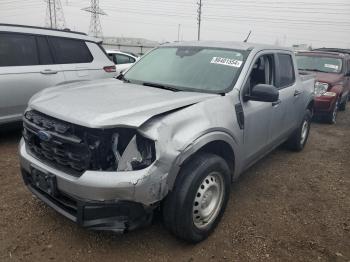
column 297, row 92
column 48, row 72
column 276, row 103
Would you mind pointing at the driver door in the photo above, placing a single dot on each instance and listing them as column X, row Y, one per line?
column 257, row 115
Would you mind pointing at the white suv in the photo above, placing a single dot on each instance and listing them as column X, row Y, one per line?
column 34, row 58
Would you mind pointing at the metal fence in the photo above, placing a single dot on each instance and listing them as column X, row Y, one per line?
column 135, row 49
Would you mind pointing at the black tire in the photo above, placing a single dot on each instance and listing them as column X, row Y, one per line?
column 342, row 106
column 298, row 140
column 179, row 206
column 331, row 118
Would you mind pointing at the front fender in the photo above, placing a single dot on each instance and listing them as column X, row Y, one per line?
column 338, row 89
column 197, row 144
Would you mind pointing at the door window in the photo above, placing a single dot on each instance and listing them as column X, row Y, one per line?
column 45, row 56
column 263, row 72
column 70, row 51
column 286, row 70
column 18, row 50
column 120, row 59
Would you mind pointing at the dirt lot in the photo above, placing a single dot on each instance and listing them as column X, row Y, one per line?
column 288, row 207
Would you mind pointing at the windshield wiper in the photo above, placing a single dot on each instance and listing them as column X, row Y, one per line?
column 315, row 70
column 160, row 86
column 122, row 77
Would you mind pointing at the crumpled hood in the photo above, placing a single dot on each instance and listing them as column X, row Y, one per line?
column 109, row 103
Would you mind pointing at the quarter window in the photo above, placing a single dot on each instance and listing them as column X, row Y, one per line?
column 70, row 51
column 286, row 70
column 18, row 50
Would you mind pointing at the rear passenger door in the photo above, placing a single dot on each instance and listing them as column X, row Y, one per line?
column 285, row 111
column 73, row 56
column 26, row 67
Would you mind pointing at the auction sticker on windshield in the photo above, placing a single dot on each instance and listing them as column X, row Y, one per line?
column 226, row 61
column 335, row 67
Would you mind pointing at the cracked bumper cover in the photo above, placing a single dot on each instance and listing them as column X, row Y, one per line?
column 98, row 196
column 146, row 186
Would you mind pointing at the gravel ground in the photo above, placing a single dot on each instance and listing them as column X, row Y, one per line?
column 288, row 207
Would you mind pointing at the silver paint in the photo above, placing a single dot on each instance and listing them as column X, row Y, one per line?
column 180, row 123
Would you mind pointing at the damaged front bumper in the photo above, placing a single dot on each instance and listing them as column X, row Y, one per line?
column 101, row 200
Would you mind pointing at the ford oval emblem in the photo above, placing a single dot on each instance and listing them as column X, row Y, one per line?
column 44, row 136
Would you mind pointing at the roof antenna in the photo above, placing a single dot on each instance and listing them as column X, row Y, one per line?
column 246, row 40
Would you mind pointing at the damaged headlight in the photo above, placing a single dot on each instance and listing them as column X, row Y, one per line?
column 139, row 153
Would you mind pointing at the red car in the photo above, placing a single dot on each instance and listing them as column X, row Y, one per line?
column 332, row 87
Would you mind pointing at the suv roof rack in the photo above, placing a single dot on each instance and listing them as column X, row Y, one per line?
column 335, row 50
column 66, row 30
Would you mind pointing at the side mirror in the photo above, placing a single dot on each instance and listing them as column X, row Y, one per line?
column 263, row 93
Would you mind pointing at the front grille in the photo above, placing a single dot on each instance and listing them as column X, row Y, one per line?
column 65, row 146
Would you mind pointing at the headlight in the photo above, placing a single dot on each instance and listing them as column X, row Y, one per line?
column 138, row 154
column 320, row 88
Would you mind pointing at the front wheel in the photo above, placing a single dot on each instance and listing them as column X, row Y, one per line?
column 195, row 206
column 298, row 140
column 342, row 106
column 331, row 118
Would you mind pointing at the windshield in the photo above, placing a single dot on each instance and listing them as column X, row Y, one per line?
column 319, row 63
column 188, row 68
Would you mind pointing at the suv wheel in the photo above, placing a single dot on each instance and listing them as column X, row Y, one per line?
column 298, row 140
column 331, row 118
column 195, row 206
column 342, row 106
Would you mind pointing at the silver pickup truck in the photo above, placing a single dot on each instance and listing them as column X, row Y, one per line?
column 171, row 134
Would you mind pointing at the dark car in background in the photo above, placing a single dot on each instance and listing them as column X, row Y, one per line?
column 332, row 87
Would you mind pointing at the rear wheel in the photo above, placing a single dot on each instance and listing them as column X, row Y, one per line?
column 195, row 206
column 298, row 140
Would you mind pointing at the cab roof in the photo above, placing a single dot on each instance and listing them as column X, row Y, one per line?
column 229, row 45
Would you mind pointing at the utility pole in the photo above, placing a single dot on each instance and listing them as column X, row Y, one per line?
column 54, row 15
column 54, row 8
column 178, row 32
column 50, row 14
column 199, row 18
column 95, row 28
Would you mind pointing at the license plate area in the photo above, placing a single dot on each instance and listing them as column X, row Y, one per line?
column 44, row 181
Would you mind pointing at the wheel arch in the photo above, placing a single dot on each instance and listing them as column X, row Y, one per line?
column 218, row 142
column 310, row 105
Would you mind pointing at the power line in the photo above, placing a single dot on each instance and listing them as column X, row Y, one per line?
column 277, row 20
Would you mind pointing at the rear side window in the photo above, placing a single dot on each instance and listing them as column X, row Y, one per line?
column 70, row 51
column 45, row 56
column 18, row 50
column 286, row 70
